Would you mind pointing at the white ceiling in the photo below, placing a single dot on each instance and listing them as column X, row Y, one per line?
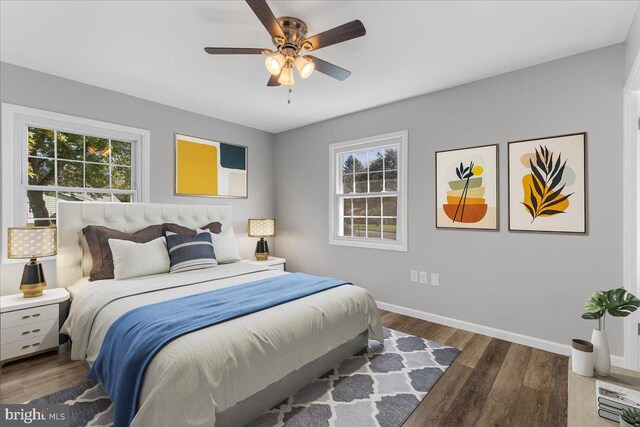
column 154, row 50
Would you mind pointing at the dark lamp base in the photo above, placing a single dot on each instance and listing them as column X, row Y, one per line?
column 33, row 282
column 262, row 250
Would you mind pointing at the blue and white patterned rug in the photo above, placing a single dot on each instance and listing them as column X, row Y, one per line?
column 380, row 386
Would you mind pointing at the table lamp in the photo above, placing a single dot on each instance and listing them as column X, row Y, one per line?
column 30, row 243
column 262, row 228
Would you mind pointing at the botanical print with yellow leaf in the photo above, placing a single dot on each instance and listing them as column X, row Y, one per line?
column 546, row 189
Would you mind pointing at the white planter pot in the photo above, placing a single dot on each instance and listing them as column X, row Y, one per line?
column 623, row 423
column 601, row 355
column 582, row 357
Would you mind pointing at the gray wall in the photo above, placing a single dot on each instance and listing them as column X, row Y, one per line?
column 632, row 44
column 533, row 284
column 31, row 88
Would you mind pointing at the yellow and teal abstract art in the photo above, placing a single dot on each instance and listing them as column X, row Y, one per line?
column 210, row 168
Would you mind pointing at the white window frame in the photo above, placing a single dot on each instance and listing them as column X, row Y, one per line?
column 16, row 120
column 335, row 150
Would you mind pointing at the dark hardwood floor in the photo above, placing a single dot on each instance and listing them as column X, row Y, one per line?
column 492, row 383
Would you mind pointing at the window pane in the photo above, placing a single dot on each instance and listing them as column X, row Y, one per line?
column 347, row 163
column 375, row 182
column 41, row 171
column 359, row 227
column 389, row 229
column 97, row 176
column 391, row 181
column 361, row 162
column 96, row 149
column 347, row 228
column 67, row 196
column 41, row 207
column 122, row 198
column 98, row 197
column 390, row 206
column 41, row 142
column 359, row 206
column 121, row 178
column 373, row 206
column 376, row 159
column 70, row 174
column 70, row 146
column 373, row 228
column 347, row 184
column 347, row 210
column 391, row 158
column 361, row 183
column 121, row 153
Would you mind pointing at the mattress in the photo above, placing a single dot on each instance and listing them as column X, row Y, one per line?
column 208, row 371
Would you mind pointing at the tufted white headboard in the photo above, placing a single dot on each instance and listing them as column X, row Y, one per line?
column 74, row 261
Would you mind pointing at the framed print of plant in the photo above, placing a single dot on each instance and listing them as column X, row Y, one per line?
column 467, row 188
column 547, row 184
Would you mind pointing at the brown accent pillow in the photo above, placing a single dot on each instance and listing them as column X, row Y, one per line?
column 214, row 227
column 98, row 242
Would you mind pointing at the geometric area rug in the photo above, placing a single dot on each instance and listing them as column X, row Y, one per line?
column 379, row 386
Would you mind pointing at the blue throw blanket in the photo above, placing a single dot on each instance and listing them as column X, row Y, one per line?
column 138, row 335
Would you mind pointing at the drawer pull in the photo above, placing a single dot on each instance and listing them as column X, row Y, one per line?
column 36, row 315
column 26, row 317
column 35, row 330
column 35, row 344
column 26, row 332
column 26, row 346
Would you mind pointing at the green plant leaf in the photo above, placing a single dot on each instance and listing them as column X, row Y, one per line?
column 593, row 315
column 621, row 303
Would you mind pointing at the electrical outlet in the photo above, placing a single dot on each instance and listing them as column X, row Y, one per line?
column 423, row 277
column 435, row 279
column 414, row 276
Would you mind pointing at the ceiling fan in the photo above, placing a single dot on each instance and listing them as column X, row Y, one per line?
column 289, row 36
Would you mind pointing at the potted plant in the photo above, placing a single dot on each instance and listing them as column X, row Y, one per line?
column 630, row 418
column 616, row 302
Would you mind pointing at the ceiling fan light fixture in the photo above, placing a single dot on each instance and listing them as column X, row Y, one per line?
column 275, row 63
column 286, row 76
column 305, row 66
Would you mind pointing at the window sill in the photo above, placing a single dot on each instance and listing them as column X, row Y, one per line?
column 396, row 246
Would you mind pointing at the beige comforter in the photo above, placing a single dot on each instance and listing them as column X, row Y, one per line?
column 210, row 370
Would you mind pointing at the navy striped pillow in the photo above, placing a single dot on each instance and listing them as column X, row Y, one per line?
column 190, row 253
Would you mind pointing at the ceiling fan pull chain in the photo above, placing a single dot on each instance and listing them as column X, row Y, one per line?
column 289, row 98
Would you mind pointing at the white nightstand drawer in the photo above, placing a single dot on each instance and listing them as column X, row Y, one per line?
column 29, row 331
column 28, row 346
column 30, row 315
column 278, row 267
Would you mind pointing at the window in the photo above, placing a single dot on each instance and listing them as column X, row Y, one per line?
column 48, row 157
column 368, row 197
column 72, row 166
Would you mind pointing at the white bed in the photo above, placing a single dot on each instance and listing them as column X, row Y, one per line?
column 229, row 372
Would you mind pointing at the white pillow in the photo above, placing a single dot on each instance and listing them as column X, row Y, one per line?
column 132, row 259
column 225, row 246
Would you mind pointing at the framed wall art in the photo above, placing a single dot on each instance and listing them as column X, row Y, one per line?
column 547, row 184
column 467, row 188
column 210, row 168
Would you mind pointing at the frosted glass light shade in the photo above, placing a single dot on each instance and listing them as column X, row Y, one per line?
column 275, row 63
column 31, row 242
column 305, row 67
column 262, row 227
column 286, row 76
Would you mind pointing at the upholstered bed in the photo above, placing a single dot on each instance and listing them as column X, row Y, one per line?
column 226, row 374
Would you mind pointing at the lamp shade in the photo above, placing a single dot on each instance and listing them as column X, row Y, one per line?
column 31, row 242
column 262, row 227
column 305, row 67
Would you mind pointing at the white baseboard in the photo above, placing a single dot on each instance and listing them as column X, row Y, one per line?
column 541, row 344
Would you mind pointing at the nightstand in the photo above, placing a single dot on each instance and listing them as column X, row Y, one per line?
column 273, row 262
column 30, row 325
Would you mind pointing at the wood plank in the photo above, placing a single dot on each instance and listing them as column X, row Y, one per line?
column 538, row 373
column 531, row 408
column 558, row 392
column 459, row 339
column 474, row 350
column 509, row 380
column 440, row 397
column 468, row 404
column 494, row 413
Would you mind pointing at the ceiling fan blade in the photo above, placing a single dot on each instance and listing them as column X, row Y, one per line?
column 273, row 80
column 265, row 15
column 236, row 51
column 329, row 69
column 344, row 32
